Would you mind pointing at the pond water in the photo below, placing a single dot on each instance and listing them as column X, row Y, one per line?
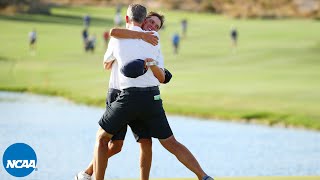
column 62, row 134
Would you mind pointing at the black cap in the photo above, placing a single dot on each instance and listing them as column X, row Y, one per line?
column 134, row 68
column 167, row 77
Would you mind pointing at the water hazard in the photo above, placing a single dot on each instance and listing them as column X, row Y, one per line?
column 62, row 134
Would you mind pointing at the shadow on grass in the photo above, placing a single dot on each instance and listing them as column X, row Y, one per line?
column 57, row 19
column 2, row 58
column 266, row 117
column 257, row 115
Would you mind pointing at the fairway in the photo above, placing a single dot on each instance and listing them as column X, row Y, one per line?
column 272, row 77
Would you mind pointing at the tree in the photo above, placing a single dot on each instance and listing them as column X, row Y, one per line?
column 29, row 6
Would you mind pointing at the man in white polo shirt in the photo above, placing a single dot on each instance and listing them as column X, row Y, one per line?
column 139, row 100
column 153, row 22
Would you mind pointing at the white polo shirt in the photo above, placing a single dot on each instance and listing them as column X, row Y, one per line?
column 126, row 50
column 108, row 56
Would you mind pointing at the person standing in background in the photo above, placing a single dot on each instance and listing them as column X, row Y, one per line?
column 86, row 21
column 85, row 38
column 184, row 26
column 234, row 36
column 117, row 17
column 91, row 44
column 175, row 42
column 32, row 39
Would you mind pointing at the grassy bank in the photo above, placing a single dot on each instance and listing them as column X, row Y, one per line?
column 272, row 77
column 247, row 178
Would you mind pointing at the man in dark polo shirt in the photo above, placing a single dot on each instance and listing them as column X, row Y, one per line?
column 139, row 100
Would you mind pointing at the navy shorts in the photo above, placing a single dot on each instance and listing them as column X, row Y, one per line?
column 32, row 41
column 138, row 129
column 142, row 109
column 112, row 96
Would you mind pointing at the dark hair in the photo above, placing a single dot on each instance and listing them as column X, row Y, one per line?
column 136, row 13
column 160, row 16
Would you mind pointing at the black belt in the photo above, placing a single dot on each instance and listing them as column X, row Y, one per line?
column 135, row 89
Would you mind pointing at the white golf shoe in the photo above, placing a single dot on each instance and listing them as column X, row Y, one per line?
column 82, row 176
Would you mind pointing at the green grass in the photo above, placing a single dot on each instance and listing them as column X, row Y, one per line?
column 247, row 178
column 273, row 77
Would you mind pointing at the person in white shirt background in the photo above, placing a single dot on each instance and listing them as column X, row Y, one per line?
column 32, row 39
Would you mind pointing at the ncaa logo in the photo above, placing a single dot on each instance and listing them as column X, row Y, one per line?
column 19, row 160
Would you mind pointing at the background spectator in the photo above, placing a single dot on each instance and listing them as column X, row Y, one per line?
column 184, row 26
column 86, row 21
column 175, row 42
column 32, row 39
column 91, row 44
column 234, row 36
column 85, row 36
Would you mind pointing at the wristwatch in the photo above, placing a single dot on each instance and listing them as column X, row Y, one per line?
column 152, row 63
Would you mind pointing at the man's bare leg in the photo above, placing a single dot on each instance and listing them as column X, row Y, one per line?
column 100, row 161
column 114, row 147
column 89, row 169
column 183, row 155
column 145, row 158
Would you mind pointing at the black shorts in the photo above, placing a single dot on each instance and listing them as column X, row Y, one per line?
column 142, row 109
column 112, row 96
column 138, row 132
column 32, row 41
column 176, row 45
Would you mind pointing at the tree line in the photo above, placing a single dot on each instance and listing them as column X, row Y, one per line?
column 234, row 8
